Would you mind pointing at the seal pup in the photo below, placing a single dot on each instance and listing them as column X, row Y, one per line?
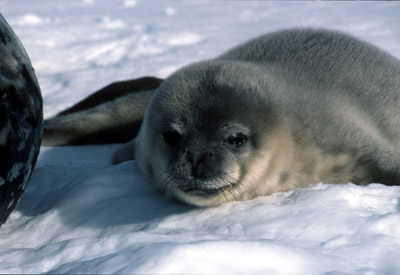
column 279, row 112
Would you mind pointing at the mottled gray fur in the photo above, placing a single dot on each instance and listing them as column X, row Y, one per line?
column 282, row 111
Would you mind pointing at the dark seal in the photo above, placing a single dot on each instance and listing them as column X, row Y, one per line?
column 20, row 120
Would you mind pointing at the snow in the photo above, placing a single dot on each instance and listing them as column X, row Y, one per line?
column 80, row 214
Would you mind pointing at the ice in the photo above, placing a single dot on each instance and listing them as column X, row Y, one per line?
column 184, row 39
column 170, row 11
column 130, row 3
column 29, row 19
column 80, row 214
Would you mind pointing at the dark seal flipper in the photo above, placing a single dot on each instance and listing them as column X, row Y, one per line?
column 20, row 120
column 111, row 115
column 114, row 91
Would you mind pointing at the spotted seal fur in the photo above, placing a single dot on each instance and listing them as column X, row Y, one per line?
column 20, row 119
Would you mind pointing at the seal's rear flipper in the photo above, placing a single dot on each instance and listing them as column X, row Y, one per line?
column 114, row 91
column 111, row 115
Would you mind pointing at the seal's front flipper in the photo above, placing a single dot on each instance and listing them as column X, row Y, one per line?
column 124, row 153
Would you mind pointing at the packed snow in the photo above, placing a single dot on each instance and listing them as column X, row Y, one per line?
column 80, row 214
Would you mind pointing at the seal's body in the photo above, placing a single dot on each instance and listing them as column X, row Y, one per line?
column 282, row 111
column 20, row 119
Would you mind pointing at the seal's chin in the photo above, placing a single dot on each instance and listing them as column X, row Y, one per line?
column 203, row 196
column 200, row 193
column 204, row 189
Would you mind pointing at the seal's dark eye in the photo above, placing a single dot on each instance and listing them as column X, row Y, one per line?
column 171, row 137
column 236, row 140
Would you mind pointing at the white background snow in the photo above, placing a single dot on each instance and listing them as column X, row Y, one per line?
column 80, row 214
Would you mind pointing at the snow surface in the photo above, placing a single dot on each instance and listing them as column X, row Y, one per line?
column 80, row 214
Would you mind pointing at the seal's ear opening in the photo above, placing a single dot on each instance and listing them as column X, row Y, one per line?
column 124, row 153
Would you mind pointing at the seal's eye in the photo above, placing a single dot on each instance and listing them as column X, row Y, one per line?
column 237, row 140
column 171, row 137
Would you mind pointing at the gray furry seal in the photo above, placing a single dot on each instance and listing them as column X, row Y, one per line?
column 282, row 111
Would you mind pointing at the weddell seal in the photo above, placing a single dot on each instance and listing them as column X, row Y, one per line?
column 282, row 111
column 20, row 119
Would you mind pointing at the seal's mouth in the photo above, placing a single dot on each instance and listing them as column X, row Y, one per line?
column 202, row 191
column 198, row 192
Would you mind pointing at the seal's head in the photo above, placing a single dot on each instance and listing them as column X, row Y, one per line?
column 202, row 133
